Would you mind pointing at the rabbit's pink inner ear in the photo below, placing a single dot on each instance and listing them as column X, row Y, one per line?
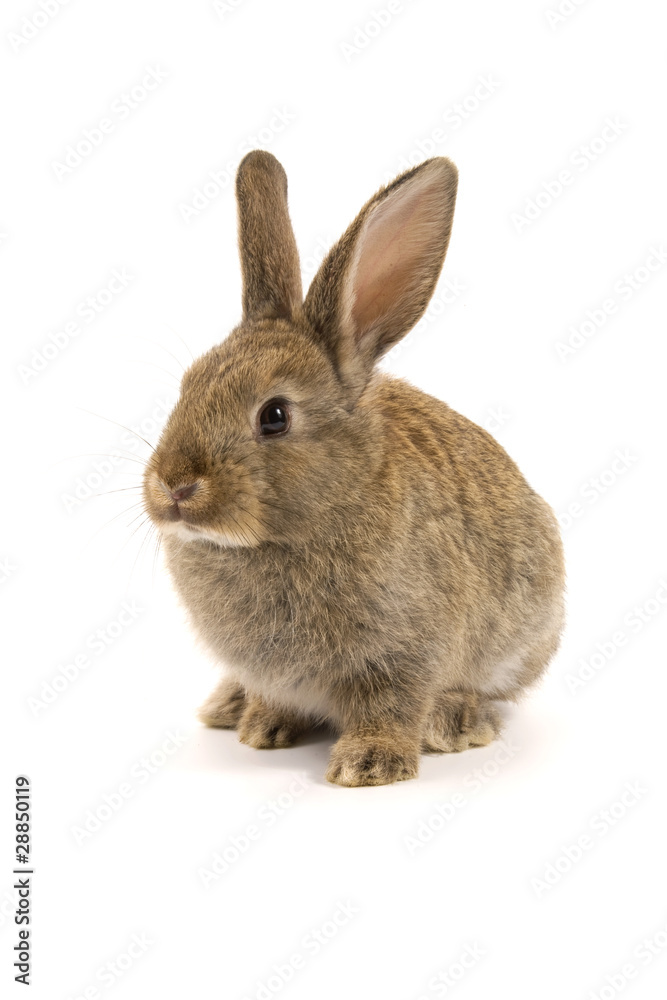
column 398, row 257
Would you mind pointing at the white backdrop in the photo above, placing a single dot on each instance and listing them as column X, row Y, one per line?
column 170, row 860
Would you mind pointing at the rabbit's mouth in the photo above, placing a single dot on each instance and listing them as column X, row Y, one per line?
column 181, row 502
column 194, row 510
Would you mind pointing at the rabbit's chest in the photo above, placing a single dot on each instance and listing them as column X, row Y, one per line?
column 284, row 624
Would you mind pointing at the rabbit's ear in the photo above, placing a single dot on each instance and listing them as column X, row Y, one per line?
column 375, row 283
column 267, row 248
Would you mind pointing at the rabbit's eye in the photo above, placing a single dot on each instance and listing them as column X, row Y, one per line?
column 274, row 418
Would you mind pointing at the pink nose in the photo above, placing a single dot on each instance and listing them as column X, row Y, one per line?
column 184, row 492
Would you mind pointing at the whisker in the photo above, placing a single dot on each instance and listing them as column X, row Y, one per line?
column 156, row 554
column 121, row 513
column 102, row 454
column 176, row 334
column 145, row 542
column 252, row 533
column 153, row 364
column 126, row 543
column 269, row 503
column 107, row 524
column 255, row 516
column 125, row 428
column 141, row 524
column 123, row 489
column 136, row 518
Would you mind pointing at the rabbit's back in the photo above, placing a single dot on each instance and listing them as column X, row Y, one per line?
column 488, row 544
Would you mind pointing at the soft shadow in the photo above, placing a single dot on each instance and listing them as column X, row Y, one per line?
column 525, row 726
column 220, row 750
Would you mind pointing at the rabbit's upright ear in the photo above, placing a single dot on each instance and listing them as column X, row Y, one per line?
column 269, row 257
column 375, row 283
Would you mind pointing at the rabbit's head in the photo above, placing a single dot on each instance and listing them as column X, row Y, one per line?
column 275, row 437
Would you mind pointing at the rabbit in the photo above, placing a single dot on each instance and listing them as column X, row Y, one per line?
column 355, row 552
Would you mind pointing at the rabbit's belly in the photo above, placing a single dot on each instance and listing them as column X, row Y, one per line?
column 303, row 697
column 504, row 675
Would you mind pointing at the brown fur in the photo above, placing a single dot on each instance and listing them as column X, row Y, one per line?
column 383, row 566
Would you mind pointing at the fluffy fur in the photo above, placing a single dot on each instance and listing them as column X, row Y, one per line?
column 383, row 566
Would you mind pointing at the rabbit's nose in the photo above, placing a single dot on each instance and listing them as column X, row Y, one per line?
column 184, row 492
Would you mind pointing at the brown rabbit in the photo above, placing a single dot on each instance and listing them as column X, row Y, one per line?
column 351, row 548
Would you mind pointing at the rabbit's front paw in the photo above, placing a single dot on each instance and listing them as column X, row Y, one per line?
column 267, row 728
column 225, row 706
column 363, row 760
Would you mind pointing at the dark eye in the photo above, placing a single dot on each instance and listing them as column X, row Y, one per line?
column 274, row 418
